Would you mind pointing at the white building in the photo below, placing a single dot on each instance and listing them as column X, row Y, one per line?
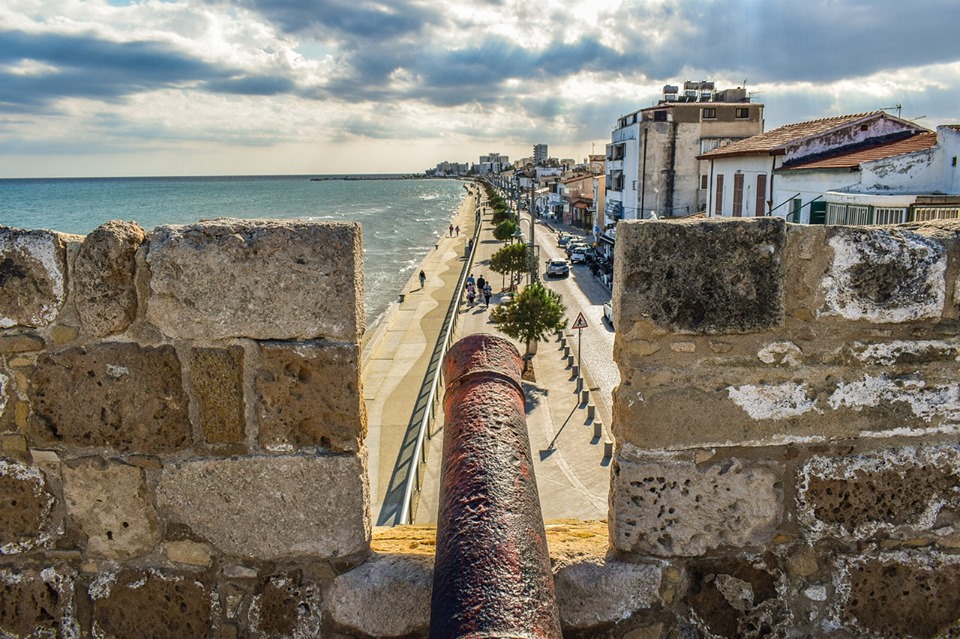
column 493, row 163
column 787, row 171
column 540, row 154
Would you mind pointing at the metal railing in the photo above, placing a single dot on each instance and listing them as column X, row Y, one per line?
column 429, row 391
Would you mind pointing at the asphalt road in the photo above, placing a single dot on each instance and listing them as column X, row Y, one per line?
column 582, row 292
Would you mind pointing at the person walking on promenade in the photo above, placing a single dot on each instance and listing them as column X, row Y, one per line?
column 457, row 229
column 471, row 294
column 423, row 278
column 481, row 283
column 451, row 230
column 487, row 292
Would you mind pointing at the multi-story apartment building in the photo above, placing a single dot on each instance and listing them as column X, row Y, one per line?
column 652, row 167
column 492, row 163
column 540, row 154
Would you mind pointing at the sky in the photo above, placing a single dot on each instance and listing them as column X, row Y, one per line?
column 204, row 87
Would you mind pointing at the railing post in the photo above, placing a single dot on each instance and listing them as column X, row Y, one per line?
column 492, row 573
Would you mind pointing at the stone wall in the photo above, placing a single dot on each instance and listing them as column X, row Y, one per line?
column 787, row 428
column 182, row 428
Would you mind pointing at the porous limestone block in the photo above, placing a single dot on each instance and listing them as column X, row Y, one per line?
column 286, row 606
column 217, row 375
column 900, row 594
column 153, row 603
column 37, row 603
column 387, row 596
column 25, row 508
column 599, row 591
column 699, row 277
column 271, row 507
column 21, row 343
column 901, row 493
column 103, row 280
column 737, row 597
column 668, row 506
column 883, row 275
column 32, row 277
column 109, row 502
column 132, row 398
column 262, row 279
column 309, row 396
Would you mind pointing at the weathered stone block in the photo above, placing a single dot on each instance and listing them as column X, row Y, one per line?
column 218, row 388
column 730, row 279
column 228, row 278
column 388, row 596
column 671, row 507
column 37, row 604
column 32, row 277
column 153, row 603
column 904, row 594
column 286, row 606
column 735, row 598
column 21, row 343
column 597, row 591
column 109, row 503
column 25, row 508
column 116, row 395
column 309, row 396
column 884, row 276
column 272, row 507
column 104, row 277
column 903, row 493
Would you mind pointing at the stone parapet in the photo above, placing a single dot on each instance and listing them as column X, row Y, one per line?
column 182, row 428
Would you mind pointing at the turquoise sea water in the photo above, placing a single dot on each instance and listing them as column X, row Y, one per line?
column 401, row 219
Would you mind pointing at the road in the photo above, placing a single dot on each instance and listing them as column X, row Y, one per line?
column 582, row 292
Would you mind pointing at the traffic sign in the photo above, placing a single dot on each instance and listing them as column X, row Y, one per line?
column 581, row 322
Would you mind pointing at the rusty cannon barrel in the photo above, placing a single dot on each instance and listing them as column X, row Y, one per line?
column 492, row 575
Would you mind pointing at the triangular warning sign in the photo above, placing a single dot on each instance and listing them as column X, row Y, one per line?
column 581, row 322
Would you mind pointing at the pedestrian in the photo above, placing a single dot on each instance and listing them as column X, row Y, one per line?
column 451, row 230
column 470, row 280
column 471, row 294
column 458, row 230
column 423, row 278
column 481, row 283
column 487, row 292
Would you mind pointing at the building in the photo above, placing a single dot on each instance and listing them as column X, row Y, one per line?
column 493, row 163
column 540, row 154
column 652, row 165
column 860, row 168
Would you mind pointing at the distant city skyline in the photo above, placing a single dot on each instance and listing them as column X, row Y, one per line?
column 196, row 87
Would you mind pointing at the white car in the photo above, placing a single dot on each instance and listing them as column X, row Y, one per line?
column 608, row 312
column 560, row 268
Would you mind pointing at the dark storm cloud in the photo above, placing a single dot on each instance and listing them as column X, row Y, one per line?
column 818, row 40
column 352, row 19
column 88, row 67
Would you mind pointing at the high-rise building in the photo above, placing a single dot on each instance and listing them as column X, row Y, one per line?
column 539, row 154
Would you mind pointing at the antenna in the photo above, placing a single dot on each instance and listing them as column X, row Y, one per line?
column 898, row 107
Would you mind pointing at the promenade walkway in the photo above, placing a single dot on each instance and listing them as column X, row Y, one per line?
column 572, row 474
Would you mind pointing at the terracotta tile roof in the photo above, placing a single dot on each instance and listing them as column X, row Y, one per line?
column 852, row 159
column 775, row 141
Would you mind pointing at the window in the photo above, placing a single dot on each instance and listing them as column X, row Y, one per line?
column 704, row 182
column 761, row 208
column 882, row 215
column 718, row 206
column 709, row 114
column 742, row 113
column 659, row 116
column 738, row 195
column 921, row 214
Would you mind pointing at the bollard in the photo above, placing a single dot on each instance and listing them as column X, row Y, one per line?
column 585, row 396
column 598, row 429
column 591, row 411
column 576, row 373
column 492, row 574
column 607, row 449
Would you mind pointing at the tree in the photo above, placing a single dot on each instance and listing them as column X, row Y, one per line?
column 505, row 230
column 513, row 258
column 535, row 312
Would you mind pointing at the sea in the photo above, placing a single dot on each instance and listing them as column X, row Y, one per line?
column 401, row 218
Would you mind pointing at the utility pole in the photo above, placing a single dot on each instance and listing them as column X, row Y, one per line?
column 533, row 224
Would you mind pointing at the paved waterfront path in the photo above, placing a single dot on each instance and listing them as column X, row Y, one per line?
column 397, row 354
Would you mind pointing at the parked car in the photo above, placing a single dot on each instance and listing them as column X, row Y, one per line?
column 582, row 254
column 608, row 312
column 560, row 268
column 572, row 246
column 563, row 239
